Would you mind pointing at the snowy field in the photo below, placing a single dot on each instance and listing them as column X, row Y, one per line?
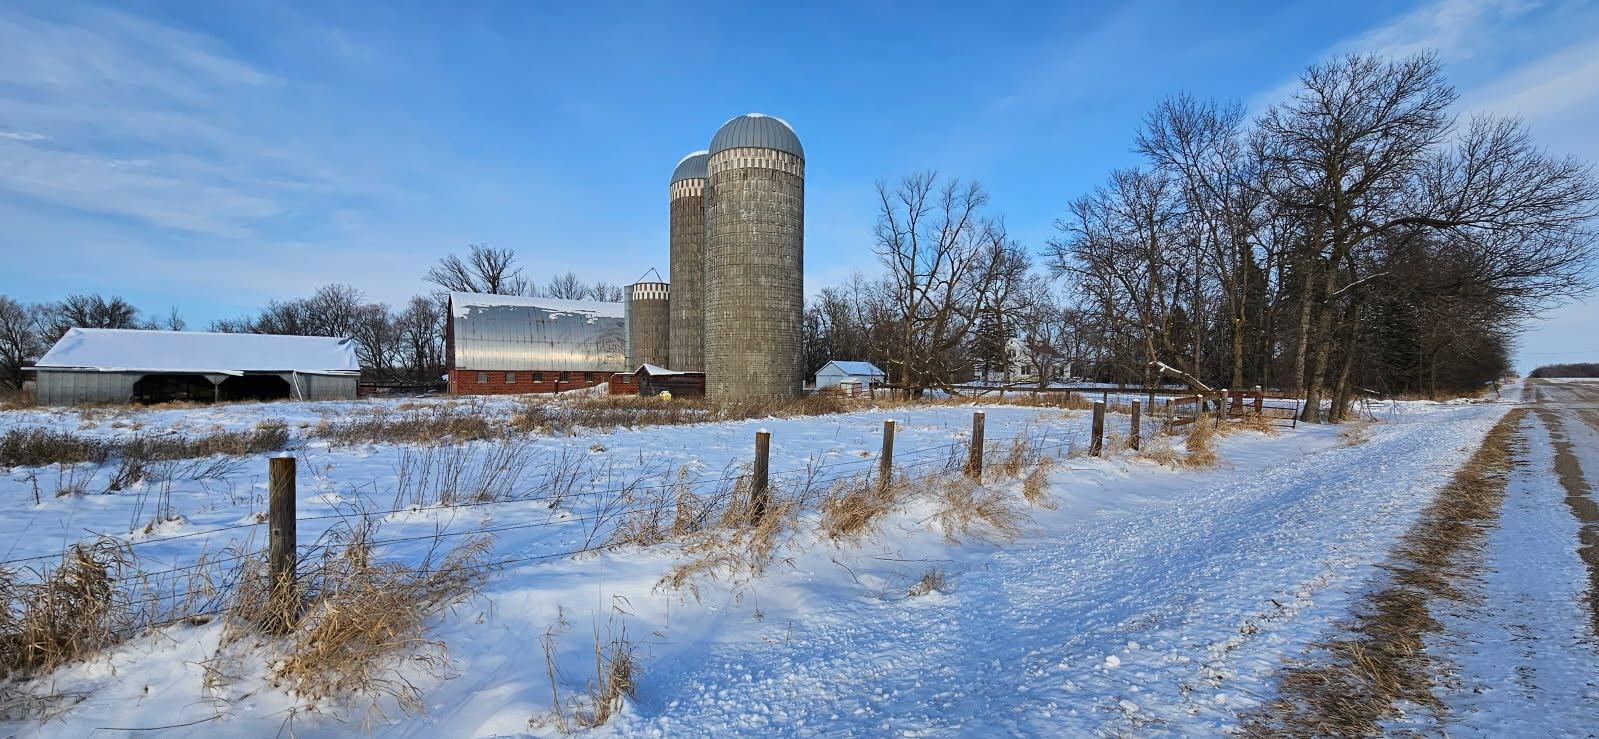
column 1143, row 599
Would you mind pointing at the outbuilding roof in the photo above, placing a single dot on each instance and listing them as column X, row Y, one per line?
column 759, row 131
column 860, row 369
column 114, row 349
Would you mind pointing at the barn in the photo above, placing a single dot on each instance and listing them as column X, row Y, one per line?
column 107, row 365
column 498, row 344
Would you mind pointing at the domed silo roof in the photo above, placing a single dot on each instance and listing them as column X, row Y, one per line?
column 757, row 131
column 691, row 167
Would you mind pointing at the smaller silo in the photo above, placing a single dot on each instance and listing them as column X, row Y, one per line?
column 649, row 318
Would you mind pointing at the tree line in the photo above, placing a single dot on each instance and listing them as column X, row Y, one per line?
column 1356, row 237
column 1577, row 369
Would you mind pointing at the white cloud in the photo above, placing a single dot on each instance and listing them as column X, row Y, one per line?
column 1455, row 29
column 108, row 113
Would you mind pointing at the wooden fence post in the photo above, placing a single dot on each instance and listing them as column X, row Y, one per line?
column 1132, row 440
column 974, row 463
column 1097, row 444
column 281, row 539
column 1221, row 407
column 759, row 495
column 885, row 461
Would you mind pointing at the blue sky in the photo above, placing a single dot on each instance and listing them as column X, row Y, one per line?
column 214, row 156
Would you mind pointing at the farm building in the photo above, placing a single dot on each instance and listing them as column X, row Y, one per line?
column 652, row 380
column 839, row 371
column 500, row 344
column 104, row 365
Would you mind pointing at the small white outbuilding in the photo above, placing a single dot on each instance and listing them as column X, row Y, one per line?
column 104, row 365
column 839, row 371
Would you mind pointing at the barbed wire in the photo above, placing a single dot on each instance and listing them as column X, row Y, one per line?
column 809, row 469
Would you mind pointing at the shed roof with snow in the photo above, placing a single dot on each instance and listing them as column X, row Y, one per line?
column 855, row 369
column 133, row 350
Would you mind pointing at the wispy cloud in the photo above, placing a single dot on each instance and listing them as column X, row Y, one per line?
column 110, row 113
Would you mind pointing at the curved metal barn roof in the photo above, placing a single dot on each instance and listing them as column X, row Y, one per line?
column 691, row 167
column 758, row 131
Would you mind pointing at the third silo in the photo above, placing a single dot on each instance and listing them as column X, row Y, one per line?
column 754, row 259
column 648, row 334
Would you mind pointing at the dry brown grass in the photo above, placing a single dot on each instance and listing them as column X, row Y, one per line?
column 1035, row 485
column 734, row 547
column 971, row 509
column 854, row 504
column 34, row 446
column 65, row 614
column 16, row 399
column 616, row 668
column 437, row 424
column 1199, row 450
column 354, row 627
column 1350, row 683
column 932, row 581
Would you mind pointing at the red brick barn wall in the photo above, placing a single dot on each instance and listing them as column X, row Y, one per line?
column 502, row 382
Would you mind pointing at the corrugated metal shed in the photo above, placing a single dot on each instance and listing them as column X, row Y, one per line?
column 514, row 333
column 759, row 131
column 90, row 365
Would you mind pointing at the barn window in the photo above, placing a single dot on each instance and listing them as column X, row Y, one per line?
column 588, row 376
column 563, row 378
column 538, row 377
column 510, row 378
column 482, row 377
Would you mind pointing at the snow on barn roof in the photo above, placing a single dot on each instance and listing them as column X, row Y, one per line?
column 862, row 369
column 116, row 349
column 463, row 303
column 655, row 371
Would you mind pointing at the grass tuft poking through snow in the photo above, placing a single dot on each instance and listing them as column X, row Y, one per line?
column 356, row 626
column 933, row 581
column 70, row 612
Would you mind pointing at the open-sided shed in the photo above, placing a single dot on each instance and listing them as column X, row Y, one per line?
column 104, row 365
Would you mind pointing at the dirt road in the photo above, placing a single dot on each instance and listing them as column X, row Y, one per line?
column 1517, row 653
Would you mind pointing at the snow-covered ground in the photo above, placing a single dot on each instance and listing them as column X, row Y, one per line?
column 1147, row 600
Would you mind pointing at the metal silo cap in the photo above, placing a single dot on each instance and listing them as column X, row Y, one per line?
column 755, row 130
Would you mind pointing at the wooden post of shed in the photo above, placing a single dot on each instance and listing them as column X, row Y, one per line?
column 759, row 495
column 974, row 462
column 885, row 461
column 1132, row 438
column 281, row 541
column 1097, row 443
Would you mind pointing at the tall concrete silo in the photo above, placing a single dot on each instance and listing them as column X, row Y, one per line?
column 754, row 260
column 688, row 263
column 648, row 324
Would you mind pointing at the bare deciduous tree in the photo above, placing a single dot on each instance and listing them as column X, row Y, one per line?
column 485, row 270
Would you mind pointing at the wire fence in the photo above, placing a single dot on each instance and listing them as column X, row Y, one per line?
column 200, row 589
